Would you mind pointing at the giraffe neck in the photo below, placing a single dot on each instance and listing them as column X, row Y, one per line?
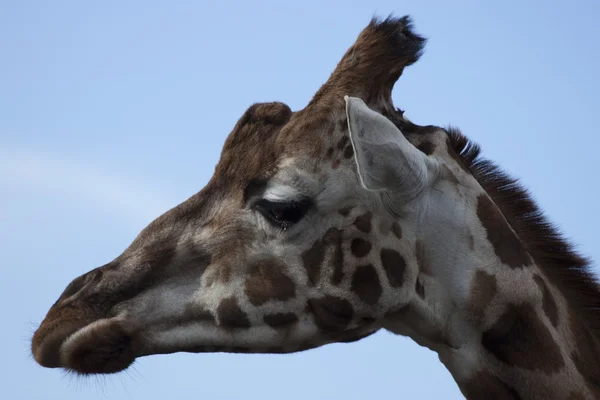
column 499, row 323
column 524, row 341
column 509, row 333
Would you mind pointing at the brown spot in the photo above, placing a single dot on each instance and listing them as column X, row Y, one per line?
column 587, row 355
column 520, row 339
column 394, row 265
column 485, row 386
column 483, row 290
column 426, row 147
column 231, row 315
column 312, row 259
column 365, row 283
column 267, row 281
column 280, row 319
column 335, row 164
column 343, row 142
column 360, row 247
column 331, row 313
column 420, row 289
column 363, row 222
column 348, row 151
column 507, row 246
column 329, row 153
column 396, row 230
column 550, row 308
column 345, row 211
column 342, row 125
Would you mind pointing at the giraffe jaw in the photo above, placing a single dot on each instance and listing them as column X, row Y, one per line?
column 102, row 347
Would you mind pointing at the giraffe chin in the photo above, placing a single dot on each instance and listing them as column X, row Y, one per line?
column 102, row 347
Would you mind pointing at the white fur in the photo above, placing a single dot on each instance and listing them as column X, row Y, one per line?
column 281, row 192
column 385, row 159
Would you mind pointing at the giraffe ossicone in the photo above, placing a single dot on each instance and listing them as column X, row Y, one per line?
column 330, row 223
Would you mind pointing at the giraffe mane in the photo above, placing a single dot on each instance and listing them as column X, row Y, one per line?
column 557, row 258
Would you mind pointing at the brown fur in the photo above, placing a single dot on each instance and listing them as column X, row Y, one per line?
column 369, row 70
column 267, row 281
column 519, row 338
column 394, row 265
column 360, row 247
column 365, row 283
column 507, row 245
column 483, row 289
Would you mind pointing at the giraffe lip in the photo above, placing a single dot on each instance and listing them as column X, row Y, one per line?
column 102, row 347
column 46, row 342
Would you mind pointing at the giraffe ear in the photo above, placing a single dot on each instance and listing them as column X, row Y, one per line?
column 385, row 159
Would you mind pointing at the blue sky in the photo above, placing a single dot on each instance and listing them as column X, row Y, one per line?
column 111, row 112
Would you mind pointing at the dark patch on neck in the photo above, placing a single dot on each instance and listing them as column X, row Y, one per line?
column 520, row 339
column 506, row 244
column 548, row 302
column 587, row 353
column 483, row 290
column 562, row 265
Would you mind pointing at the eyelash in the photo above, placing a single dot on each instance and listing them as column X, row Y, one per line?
column 283, row 213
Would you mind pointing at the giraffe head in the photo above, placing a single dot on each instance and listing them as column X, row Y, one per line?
column 307, row 233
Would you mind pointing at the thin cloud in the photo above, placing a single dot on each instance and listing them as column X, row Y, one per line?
column 108, row 190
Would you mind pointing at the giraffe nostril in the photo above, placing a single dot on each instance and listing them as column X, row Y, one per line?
column 79, row 283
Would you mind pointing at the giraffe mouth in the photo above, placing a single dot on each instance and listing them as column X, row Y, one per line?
column 102, row 347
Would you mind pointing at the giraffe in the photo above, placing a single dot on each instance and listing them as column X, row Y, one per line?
column 333, row 222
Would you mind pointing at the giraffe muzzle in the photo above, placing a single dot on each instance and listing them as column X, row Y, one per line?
column 101, row 347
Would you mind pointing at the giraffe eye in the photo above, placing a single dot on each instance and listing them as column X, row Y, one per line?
column 283, row 213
